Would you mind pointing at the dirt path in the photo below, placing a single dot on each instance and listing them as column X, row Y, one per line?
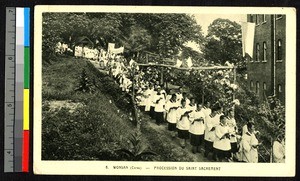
column 174, row 142
column 96, row 64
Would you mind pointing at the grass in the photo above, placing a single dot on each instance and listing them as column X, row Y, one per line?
column 92, row 132
column 96, row 130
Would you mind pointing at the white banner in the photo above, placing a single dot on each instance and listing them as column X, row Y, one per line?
column 248, row 30
column 110, row 47
column 117, row 50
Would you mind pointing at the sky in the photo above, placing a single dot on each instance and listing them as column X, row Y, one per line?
column 206, row 19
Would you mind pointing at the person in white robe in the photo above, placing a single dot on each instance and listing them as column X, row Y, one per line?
column 279, row 150
column 142, row 98
column 148, row 99
column 221, row 143
column 152, row 103
column 209, row 136
column 248, row 146
column 159, row 106
column 231, row 122
column 183, row 123
column 245, row 127
column 185, row 97
column 179, row 94
column 78, row 51
column 192, row 105
column 171, row 107
column 197, row 128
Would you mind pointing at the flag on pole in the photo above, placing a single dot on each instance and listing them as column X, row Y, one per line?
column 248, row 30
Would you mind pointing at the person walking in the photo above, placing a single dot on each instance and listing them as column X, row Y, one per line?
column 248, row 145
column 183, row 123
column 209, row 135
column 221, row 143
column 197, row 128
column 159, row 106
column 231, row 122
column 171, row 109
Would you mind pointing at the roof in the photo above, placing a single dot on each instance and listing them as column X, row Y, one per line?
column 84, row 40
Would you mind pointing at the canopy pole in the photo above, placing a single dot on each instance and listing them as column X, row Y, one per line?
column 233, row 95
column 186, row 68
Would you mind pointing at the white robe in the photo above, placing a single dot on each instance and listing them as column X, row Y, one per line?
column 148, row 100
column 248, row 153
column 210, row 123
column 232, row 125
column 224, row 143
column 172, row 114
column 278, row 152
column 159, row 103
column 197, row 127
column 78, row 51
column 183, row 122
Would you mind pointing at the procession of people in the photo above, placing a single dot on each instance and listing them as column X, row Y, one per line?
column 207, row 127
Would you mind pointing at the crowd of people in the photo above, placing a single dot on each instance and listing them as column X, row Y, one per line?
column 201, row 125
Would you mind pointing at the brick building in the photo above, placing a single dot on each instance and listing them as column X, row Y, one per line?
column 266, row 69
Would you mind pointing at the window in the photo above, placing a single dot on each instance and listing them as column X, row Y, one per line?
column 251, row 85
column 257, row 88
column 257, row 52
column 264, row 18
column 265, row 52
column 257, row 19
column 251, row 18
column 279, row 50
column 264, row 86
column 278, row 16
column 279, row 88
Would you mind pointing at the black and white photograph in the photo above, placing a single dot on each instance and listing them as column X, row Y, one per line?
column 164, row 90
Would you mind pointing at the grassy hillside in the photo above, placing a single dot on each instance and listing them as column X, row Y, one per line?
column 93, row 125
column 91, row 131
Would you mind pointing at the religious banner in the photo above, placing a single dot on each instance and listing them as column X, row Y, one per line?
column 110, row 47
column 117, row 50
column 248, row 30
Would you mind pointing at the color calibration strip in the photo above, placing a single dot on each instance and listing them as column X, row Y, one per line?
column 25, row 153
column 17, row 75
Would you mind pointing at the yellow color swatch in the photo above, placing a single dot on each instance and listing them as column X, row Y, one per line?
column 26, row 110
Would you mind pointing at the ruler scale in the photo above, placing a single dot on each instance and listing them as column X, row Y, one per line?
column 9, row 99
column 16, row 123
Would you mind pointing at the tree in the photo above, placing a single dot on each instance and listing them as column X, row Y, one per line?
column 51, row 34
column 138, row 39
column 224, row 42
column 162, row 34
column 169, row 32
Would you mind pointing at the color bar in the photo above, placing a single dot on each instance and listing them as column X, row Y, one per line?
column 25, row 157
column 25, row 152
column 19, row 86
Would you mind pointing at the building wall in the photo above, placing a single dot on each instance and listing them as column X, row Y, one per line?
column 280, row 64
column 262, row 71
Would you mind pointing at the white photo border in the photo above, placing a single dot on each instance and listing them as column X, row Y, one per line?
column 161, row 168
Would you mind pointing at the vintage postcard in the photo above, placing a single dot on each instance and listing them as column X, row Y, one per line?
column 166, row 91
